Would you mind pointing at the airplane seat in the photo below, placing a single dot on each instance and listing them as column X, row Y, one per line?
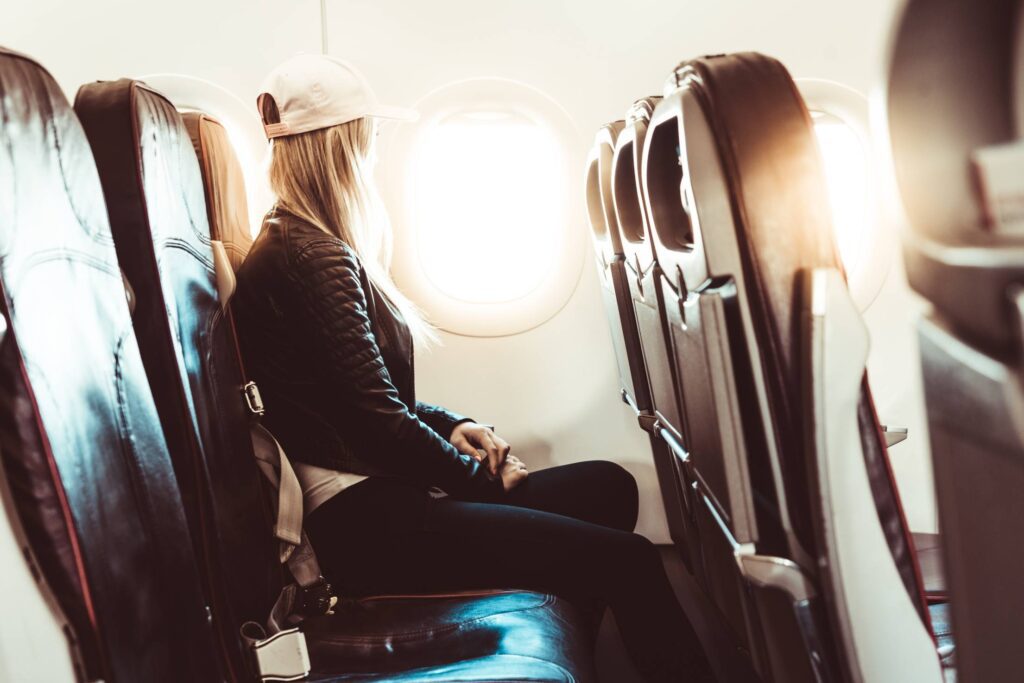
column 955, row 120
column 644, row 308
column 158, row 220
column 741, row 225
column 82, row 447
column 162, row 230
column 223, row 185
column 608, row 251
column 735, row 499
column 641, row 267
column 629, row 355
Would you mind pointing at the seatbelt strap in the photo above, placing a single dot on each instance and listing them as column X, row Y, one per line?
column 279, row 472
column 312, row 595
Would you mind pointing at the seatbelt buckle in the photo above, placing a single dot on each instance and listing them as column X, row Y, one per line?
column 253, row 400
column 283, row 656
column 315, row 600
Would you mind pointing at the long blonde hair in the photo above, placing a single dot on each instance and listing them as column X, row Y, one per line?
column 325, row 177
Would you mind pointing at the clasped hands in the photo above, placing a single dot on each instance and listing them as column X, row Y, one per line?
column 480, row 442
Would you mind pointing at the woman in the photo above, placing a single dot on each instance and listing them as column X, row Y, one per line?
column 329, row 339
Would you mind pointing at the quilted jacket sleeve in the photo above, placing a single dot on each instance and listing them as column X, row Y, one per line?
column 332, row 306
column 441, row 420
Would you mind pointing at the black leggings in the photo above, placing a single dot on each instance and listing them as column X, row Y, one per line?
column 566, row 530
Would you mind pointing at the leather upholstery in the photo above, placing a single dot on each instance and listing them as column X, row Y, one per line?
column 492, row 636
column 154, row 192
column 513, row 636
column 80, row 437
column 224, row 185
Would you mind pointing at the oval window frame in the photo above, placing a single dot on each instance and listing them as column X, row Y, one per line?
column 852, row 108
column 484, row 319
column 243, row 125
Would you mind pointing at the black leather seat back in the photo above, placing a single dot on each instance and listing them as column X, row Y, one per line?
column 79, row 433
column 946, row 109
column 154, row 191
column 227, row 207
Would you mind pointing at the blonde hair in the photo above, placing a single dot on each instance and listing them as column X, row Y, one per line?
column 325, row 177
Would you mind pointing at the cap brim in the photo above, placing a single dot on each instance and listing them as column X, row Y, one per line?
column 391, row 113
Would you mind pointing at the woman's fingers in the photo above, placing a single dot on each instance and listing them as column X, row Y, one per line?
column 495, row 453
column 513, row 474
column 463, row 445
column 480, row 442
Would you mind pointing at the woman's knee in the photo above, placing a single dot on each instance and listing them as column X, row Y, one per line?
column 633, row 557
column 619, row 489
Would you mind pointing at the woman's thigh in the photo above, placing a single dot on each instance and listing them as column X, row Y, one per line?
column 596, row 491
column 404, row 543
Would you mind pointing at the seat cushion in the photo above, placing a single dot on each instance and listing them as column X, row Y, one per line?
column 493, row 636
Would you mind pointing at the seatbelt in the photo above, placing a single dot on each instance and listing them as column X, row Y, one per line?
column 279, row 649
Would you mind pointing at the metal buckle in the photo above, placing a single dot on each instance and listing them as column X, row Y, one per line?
column 253, row 400
column 283, row 656
column 315, row 600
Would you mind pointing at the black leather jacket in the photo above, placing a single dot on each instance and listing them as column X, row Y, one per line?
column 334, row 364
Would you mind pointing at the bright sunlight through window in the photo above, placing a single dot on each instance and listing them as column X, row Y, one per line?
column 488, row 205
column 846, row 172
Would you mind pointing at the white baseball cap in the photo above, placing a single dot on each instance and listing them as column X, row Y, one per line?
column 308, row 92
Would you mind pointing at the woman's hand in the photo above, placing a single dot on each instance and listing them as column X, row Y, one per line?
column 513, row 473
column 481, row 443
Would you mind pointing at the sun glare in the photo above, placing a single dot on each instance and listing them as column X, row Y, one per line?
column 846, row 172
column 488, row 205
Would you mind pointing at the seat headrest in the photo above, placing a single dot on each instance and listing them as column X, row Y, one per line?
column 604, row 226
column 224, row 183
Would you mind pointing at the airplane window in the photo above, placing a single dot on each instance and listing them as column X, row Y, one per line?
column 488, row 237
column 846, row 172
column 867, row 249
column 488, row 204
